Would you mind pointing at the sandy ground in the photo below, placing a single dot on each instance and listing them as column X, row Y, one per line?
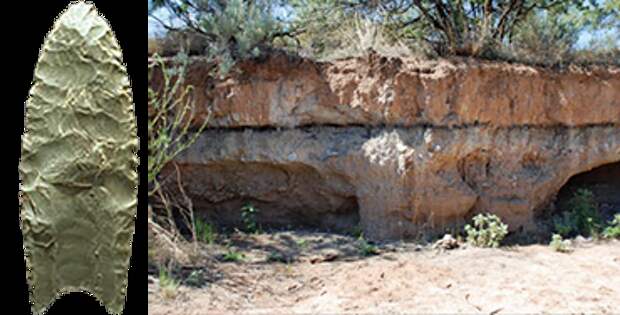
column 410, row 279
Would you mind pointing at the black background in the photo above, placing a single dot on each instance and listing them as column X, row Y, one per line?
column 24, row 26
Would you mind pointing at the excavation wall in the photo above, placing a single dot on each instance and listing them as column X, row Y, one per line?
column 400, row 147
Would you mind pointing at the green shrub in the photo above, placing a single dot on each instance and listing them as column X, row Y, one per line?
column 365, row 248
column 240, row 29
column 613, row 230
column 585, row 211
column 538, row 31
column 357, row 231
column 487, row 231
column 179, row 41
column 582, row 218
column 248, row 216
column 560, row 245
column 231, row 30
column 544, row 38
column 564, row 224
column 534, row 31
column 551, row 38
column 233, row 256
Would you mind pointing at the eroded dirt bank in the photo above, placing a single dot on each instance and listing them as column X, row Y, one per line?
column 285, row 91
column 399, row 147
column 530, row 279
column 398, row 182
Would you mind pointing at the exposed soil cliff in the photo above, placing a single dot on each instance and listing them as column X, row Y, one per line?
column 287, row 92
column 401, row 146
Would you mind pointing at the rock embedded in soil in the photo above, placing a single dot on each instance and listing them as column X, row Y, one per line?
column 446, row 242
column 400, row 147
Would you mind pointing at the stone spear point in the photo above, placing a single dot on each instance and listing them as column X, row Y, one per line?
column 78, row 164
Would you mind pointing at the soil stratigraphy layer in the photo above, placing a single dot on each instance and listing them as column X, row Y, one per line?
column 398, row 146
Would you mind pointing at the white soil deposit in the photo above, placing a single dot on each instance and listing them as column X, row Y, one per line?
column 520, row 279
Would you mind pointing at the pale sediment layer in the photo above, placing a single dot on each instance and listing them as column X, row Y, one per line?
column 397, row 182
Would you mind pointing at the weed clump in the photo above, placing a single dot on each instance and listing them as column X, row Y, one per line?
column 487, row 231
column 167, row 284
column 205, row 232
column 366, row 248
column 233, row 256
column 356, row 231
column 613, row 230
column 582, row 218
column 560, row 245
column 248, row 216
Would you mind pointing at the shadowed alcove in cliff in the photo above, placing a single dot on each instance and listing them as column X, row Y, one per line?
column 287, row 195
column 603, row 182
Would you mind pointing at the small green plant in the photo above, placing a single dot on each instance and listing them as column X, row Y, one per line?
column 560, row 245
column 233, row 256
column 152, row 254
column 248, row 215
column 366, row 248
column 205, row 232
column 167, row 284
column 357, row 231
column 487, row 231
column 582, row 218
column 613, row 230
column 278, row 257
column 302, row 243
column 564, row 224
column 196, row 278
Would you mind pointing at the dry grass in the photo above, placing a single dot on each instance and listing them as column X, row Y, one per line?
column 357, row 37
column 168, row 245
column 168, row 286
column 171, row 223
column 153, row 46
